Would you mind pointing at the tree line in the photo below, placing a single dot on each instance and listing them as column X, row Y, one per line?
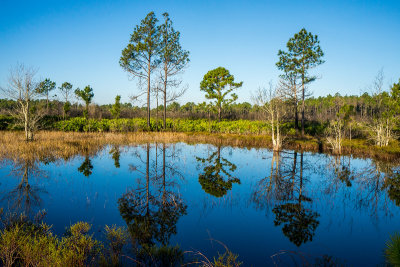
column 156, row 59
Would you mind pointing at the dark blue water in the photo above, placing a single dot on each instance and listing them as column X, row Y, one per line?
column 295, row 206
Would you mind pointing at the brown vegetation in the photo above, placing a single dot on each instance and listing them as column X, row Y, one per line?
column 61, row 145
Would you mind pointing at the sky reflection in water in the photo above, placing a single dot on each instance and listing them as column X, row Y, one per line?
column 257, row 203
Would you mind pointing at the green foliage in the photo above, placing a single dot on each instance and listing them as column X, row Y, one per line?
column 72, row 125
column 228, row 259
column 6, row 122
column 80, row 247
column 65, row 88
column 392, row 251
column 67, row 107
column 116, row 108
column 303, row 53
column 175, row 125
column 218, row 84
column 23, row 243
column 395, row 91
column 144, row 44
column 86, row 95
column 117, row 238
column 45, row 87
column 173, row 56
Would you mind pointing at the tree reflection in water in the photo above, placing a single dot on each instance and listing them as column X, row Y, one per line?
column 86, row 166
column 283, row 189
column 212, row 179
column 115, row 154
column 392, row 184
column 24, row 197
column 368, row 188
column 152, row 210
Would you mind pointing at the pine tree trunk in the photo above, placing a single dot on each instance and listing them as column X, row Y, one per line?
column 148, row 92
column 302, row 107
column 165, row 101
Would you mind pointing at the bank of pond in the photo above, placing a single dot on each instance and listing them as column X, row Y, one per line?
column 155, row 201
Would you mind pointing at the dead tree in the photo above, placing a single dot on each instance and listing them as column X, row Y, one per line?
column 271, row 103
column 381, row 128
column 22, row 88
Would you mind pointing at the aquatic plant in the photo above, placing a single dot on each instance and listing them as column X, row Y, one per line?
column 392, row 251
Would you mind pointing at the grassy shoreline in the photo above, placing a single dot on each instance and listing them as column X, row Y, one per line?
column 66, row 143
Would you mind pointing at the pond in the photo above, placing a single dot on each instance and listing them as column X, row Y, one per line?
column 268, row 208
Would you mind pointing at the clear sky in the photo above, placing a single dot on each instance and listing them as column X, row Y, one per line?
column 81, row 41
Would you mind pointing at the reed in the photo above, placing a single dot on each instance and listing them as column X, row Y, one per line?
column 64, row 145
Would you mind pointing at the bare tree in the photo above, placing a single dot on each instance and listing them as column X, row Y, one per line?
column 381, row 128
column 334, row 135
column 271, row 102
column 22, row 88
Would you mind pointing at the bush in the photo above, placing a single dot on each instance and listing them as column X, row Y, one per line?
column 29, row 244
column 24, row 242
column 6, row 122
column 175, row 125
column 392, row 251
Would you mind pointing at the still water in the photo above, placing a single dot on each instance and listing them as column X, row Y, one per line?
column 267, row 208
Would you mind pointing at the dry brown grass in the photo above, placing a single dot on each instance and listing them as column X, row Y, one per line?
column 52, row 145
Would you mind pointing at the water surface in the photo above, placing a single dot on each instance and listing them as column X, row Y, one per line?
column 268, row 208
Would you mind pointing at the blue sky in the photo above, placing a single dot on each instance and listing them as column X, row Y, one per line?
column 81, row 41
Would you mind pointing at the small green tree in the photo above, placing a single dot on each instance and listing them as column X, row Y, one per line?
column 219, row 84
column 86, row 95
column 66, row 90
column 45, row 87
column 116, row 108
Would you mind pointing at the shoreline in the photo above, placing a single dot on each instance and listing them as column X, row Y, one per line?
column 46, row 140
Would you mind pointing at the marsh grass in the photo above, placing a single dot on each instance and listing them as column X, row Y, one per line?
column 50, row 146
column 392, row 251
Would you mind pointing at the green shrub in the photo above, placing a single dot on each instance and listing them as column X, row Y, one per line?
column 175, row 125
column 23, row 243
column 392, row 251
column 5, row 122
